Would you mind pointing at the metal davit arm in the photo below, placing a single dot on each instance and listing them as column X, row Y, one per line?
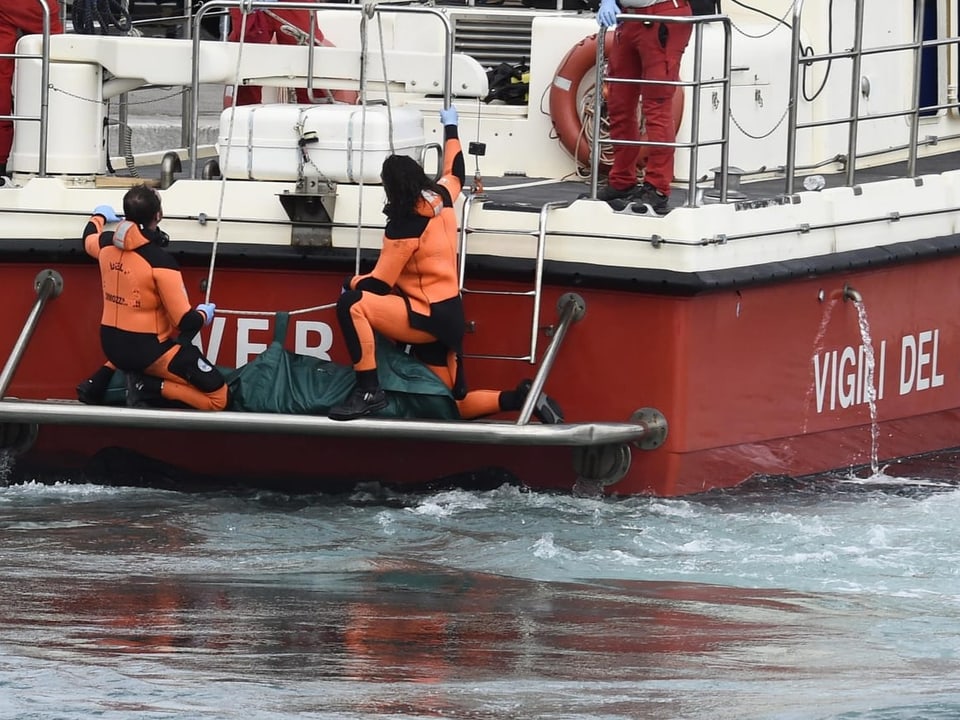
column 47, row 284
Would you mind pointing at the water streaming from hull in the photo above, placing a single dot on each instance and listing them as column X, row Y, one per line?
column 870, row 387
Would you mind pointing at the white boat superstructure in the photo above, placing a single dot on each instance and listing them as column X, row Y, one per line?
column 742, row 106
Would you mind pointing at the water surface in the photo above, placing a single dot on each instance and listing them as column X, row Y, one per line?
column 836, row 598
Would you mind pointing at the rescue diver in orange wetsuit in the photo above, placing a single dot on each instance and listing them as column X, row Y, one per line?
column 413, row 295
column 17, row 17
column 145, row 303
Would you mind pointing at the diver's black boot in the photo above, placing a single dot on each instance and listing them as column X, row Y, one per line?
column 142, row 389
column 366, row 398
column 360, row 402
column 93, row 390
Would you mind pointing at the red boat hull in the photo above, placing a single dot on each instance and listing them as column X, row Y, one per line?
column 765, row 380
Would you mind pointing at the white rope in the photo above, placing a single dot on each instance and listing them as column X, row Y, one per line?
column 271, row 313
column 245, row 9
column 386, row 84
column 368, row 11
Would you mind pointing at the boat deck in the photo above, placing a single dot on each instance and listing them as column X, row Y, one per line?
column 519, row 193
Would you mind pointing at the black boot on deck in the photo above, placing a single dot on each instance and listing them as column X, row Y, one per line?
column 649, row 195
column 93, row 390
column 546, row 408
column 608, row 193
column 360, row 402
column 142, row 389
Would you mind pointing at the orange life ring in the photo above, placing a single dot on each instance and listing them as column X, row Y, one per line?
column 346, row 97
column 565, row 98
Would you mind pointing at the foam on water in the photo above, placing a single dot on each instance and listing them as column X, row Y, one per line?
column 807, row 600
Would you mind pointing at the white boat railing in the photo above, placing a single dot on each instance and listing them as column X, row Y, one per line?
column 699, row 22
column 853, row 119
column 43, row 116
column 917, row 107
column 367, row 10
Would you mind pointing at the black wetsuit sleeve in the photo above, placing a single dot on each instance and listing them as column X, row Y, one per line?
column 89, row 230
column 459, row 166
column 373, row 285
column 191, row 323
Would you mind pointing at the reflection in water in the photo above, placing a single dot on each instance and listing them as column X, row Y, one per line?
column 167, row 605
column 415, row 625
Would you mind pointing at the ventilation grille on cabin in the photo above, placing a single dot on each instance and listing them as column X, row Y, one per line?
column 492, row 39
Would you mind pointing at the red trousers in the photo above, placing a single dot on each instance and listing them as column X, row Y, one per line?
column 18, row 17
column 638, row 53
column 262, row 27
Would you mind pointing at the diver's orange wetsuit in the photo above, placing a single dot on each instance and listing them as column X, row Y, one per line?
column 18, row 17
column 144, row 303
column 413, row 296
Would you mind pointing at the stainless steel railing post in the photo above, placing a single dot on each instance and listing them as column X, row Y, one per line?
column 48, row 284
column 572, row 309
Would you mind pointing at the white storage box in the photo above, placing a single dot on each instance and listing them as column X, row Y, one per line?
column 264, row 141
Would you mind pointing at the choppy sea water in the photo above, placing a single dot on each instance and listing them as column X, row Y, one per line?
column 833, row 598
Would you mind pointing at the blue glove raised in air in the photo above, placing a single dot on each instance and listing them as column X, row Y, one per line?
column 207, row 309
column 109, row 214
column 448, row 116
column 607, row 14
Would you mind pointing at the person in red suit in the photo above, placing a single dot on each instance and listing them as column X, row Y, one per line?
column 648, row 51
column 287, row 27
column 17, row 17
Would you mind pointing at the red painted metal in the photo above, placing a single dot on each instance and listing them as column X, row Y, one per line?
column 768, row 379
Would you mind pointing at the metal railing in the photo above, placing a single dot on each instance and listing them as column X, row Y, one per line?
column 853, row 118
column 248, row 5
column 535, row 293
column 43, row 117
column 48, row 284
column 697, row 83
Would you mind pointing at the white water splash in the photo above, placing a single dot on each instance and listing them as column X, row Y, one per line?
column 870, row 390
column 6, row 466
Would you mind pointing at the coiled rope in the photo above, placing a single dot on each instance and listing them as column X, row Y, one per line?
column 97, row 17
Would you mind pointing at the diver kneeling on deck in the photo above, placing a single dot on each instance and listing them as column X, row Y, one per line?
column 412, row 295
column 144, row 302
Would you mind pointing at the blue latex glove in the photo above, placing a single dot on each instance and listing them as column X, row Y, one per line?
column 207, row 309
column 607, row 14
column 109, row 214
column 448, row 116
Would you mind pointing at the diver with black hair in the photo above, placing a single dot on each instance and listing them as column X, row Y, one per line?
column 146, row 310
column 412, row 295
